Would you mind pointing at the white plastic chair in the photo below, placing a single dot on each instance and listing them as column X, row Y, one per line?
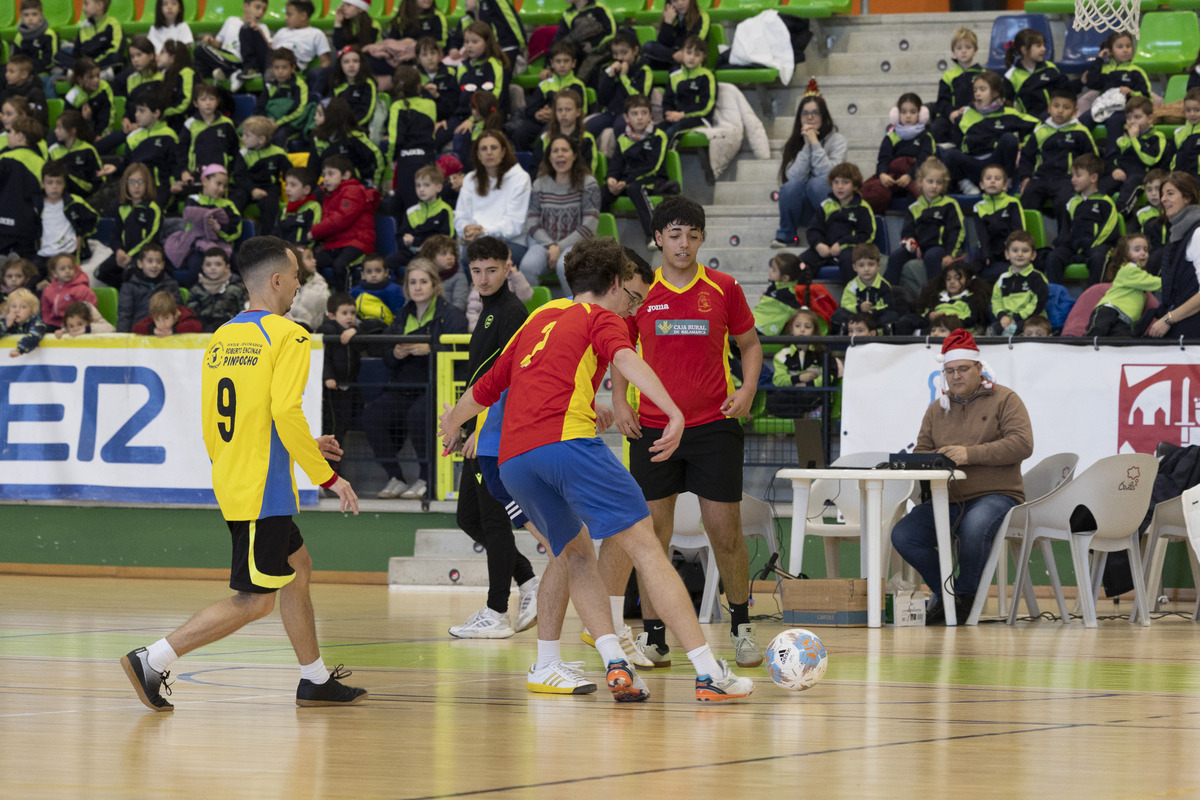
column 826, row 498
column 1046, row 477
column 689, row 535
column 1170, row 522
column 1116, row 490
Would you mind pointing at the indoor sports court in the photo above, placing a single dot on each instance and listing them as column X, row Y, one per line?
column 990, row 711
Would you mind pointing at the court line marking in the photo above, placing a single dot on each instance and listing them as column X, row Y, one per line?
column 740, row 762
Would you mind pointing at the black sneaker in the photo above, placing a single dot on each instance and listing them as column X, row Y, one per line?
column 329, row 693
column 146, row 681
column 935, row 612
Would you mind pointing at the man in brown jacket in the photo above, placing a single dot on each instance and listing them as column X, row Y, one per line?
column 983, row 428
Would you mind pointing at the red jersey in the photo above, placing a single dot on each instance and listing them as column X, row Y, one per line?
column 553, row 366
column 683, row 334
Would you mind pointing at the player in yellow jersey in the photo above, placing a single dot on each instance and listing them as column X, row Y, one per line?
column 254, row 374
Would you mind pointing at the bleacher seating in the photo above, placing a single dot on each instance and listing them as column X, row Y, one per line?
column 674, row 172
column 1080, row 49
column 1006, row 27
column 1168, row 43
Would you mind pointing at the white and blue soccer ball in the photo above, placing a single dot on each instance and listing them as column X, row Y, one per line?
column 796, row 659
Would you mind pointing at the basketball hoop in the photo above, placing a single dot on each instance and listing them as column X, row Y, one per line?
column 1108, row 15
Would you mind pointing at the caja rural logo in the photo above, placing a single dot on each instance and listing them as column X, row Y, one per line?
column 1158, row 403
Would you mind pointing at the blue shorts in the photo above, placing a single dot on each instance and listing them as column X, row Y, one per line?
column 564, row 485
column 489, row 468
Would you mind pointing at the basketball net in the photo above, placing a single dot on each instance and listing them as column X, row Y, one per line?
column 1108, row 15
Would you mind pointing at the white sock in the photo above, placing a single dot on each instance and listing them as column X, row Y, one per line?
column 704, row 661
column 160, row 656
column 610, row 648
column 618, row 611
column 548, row 653
column 315, row 672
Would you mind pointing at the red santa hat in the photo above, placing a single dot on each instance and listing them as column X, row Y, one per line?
column 958, row 346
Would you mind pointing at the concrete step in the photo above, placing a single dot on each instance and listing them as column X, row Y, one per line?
column 453, row 543
column 748, row 230
column 446, row 570
column 744, row 192
column 914, row 65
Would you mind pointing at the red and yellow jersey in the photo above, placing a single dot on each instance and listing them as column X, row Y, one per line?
column 254, row 374
column 553, row 366
column 683, row 334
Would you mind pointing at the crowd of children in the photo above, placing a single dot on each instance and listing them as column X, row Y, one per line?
column 366, row 120
column 996, row 152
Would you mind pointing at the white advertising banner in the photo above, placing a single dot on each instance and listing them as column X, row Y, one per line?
column 1094, row 402
column 114, row 418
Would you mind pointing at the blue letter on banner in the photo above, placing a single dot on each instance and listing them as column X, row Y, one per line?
column 32, row 412
column 117, row 450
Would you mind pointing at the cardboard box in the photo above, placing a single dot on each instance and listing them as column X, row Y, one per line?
column 838, row 603
column 904, row 609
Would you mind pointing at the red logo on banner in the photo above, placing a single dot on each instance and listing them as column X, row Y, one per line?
column 1158, row 403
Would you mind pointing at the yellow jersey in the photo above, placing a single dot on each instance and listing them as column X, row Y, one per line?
column 255, row 432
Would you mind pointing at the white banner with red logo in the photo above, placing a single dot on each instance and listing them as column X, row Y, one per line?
column 1094, row 402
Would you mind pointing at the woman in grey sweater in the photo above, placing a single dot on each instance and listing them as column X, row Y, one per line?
column 814, row 148
column 564, row 209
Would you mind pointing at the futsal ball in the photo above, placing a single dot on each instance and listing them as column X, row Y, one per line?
column 796, row 659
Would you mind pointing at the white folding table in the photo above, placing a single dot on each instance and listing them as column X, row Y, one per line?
column 870, row 482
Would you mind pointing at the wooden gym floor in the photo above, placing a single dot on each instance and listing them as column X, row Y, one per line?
column 1032, row 711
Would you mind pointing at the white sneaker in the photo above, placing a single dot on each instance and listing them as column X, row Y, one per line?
column 236, row 80
column 218, row 75
column 527, row 608
column 484, row 624
column 561, row 677
column 632, row 653
column 722, row 686
column 745, row 646
column 967, row 186
column 415, row 492
column 394, row 488
column 635, row 656
column 659, row 657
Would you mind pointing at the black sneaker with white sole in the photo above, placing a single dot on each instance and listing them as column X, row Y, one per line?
column 146, row 681
column 329, row 693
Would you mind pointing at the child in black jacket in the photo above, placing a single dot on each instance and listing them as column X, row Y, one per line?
column 842, row 222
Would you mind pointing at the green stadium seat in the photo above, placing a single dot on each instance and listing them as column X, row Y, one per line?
column 1050, row 6
column 541, row 296
column 215, row 14
column 624, row 10
column 589, row 97
column 184, row 294
column 1168, row 43
column 1035, row 225
column 834, row 6
column 738, row 75
column 532, row 75
column 601, row 172
column 540, row 12
column 692, row 140
column 106, row 303
column 808, row 9
column 607, row 226
column 1079, row 272
column 674, row 172
column 60, row 14
column 738, row 10
column 54, row 109
column 1176, row 88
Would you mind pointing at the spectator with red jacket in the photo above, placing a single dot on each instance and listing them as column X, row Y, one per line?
column 167, row 318
column 346, row 231
column 68, row 284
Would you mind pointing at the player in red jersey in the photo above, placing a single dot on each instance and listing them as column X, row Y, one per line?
column 683, row 332
column 567, row 479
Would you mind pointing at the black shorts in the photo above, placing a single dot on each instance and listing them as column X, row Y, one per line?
column 708, row 463
column 260, row 554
